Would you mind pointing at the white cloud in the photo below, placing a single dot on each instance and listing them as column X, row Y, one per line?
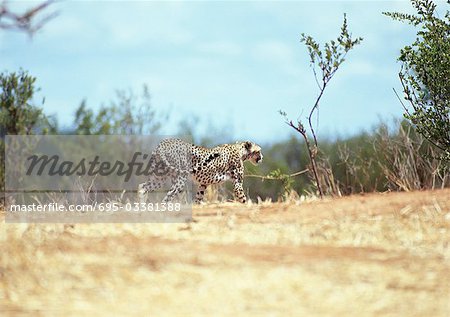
column 146, row 22
column 359, row 67
column 278, row 55
column 274, row 51
column 117, row 25
column 64, row 26
column 220, row 48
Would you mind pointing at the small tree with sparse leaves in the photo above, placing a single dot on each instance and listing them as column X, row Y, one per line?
column 324, row 63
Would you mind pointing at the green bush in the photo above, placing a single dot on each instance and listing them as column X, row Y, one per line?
column 18, row 112
column 425, row 74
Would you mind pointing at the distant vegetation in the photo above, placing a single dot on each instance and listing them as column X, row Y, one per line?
column 393, row 157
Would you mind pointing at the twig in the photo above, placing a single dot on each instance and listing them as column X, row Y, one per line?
column 405, row 89
column 278, row 178
column 399, row 99
column 24, row 22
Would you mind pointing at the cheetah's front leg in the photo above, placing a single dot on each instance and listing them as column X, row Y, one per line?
column 200, row 193
column 239, row 191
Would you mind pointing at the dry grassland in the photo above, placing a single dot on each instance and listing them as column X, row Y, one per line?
column 369, row 255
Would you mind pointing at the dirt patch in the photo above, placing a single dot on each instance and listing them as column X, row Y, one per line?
column 377, row 254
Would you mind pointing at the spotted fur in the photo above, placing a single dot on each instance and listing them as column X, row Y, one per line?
column 176, row 160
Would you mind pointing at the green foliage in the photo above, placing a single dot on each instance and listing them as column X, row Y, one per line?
column 329, row 59
column 18, row 113
column 130, row 114
column 425, row 74
column 286, row 180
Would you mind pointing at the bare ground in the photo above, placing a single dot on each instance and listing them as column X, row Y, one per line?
column 368, row 255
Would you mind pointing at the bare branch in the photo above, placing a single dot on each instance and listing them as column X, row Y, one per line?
column 29, row 21
column 278, row 178
column 401, row 102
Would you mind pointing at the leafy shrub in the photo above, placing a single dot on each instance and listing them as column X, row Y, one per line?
column 425, row 74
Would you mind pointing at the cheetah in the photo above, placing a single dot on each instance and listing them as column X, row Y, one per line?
column 177, row 160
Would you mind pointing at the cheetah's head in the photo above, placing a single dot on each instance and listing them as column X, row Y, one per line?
column 252, row 152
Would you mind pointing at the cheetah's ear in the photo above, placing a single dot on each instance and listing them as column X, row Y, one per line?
column 248, row 145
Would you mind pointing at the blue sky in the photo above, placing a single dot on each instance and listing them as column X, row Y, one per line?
column 231, row 64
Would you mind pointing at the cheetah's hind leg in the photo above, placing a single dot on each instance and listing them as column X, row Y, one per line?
column 154, row 183
column 177, row 187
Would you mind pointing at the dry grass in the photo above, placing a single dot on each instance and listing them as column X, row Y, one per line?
column 375, row 255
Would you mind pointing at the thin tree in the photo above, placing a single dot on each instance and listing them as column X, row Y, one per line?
column 324, row 63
